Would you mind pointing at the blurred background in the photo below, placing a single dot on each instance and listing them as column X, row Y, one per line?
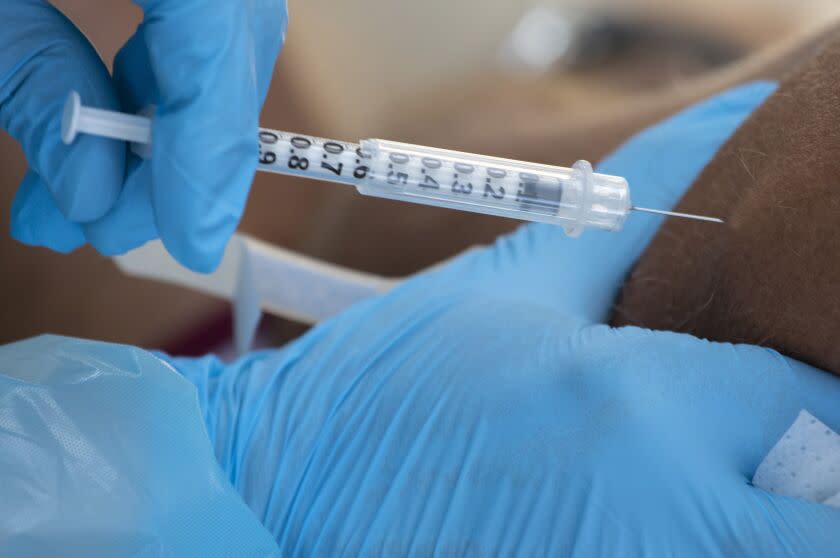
column 547, row 81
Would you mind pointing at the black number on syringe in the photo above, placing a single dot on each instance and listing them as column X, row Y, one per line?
column 301, row 163
column 394, row 176
column 361, row 170
column 301, row 142
column 488, row 187
column 268, row 138
column 462, row 187
column 333, row 148
column 296, row 162
column 430, row 164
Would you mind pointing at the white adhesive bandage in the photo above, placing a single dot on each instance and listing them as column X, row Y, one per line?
column 805, row 463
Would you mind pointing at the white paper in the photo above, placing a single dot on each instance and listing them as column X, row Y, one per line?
column 804, row 463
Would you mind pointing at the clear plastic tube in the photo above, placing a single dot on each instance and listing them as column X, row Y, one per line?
column 575, row 198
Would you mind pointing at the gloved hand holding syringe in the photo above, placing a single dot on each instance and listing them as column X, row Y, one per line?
column 576, row 198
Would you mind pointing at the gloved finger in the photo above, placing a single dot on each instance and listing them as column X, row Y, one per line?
column 204, row 153
column 790, row 526
column 37, row 221
column 131, row 222
column 43, row 56
column 135, row 81
column 269, row 28
column 133, row 77
column 581, row 277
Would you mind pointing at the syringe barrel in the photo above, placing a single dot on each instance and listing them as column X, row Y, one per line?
column 575, row 198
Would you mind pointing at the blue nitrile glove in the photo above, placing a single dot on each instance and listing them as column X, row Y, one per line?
column 484, row 409
column 207, row 67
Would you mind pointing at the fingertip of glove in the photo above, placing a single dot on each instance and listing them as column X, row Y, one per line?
column 36, row 221
column 87, row 181
column 201, row 257
column 84, row 177
column 197, row 208
column 197, row 240
column 108, row 245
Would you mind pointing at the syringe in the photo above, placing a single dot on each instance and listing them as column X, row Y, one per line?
column 575, row 198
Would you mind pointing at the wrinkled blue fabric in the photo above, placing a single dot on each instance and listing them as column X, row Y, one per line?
column 207, row 68
column 103, row 453
column 482, row 409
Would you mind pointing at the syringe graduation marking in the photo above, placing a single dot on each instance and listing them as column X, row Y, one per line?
column 332, row 159
column 417, row 174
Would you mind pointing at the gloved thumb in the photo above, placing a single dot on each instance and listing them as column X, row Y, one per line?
column 43, row 56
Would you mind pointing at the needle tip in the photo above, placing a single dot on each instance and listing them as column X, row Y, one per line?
column 679, row 215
